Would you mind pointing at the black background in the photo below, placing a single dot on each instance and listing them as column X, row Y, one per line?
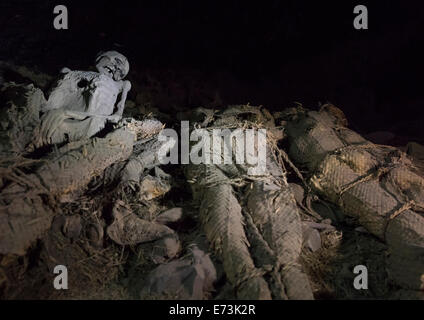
column 274, row 52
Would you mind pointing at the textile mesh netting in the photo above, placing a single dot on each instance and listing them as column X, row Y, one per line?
column 376, row 184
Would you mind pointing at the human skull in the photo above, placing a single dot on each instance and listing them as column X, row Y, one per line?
column 112, row 64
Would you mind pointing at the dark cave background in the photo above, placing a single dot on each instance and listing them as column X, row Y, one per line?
column 269, row 53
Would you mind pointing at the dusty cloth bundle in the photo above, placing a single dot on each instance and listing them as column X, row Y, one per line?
column 24, row 213
column 20, row 107
column 376, row 184
column 260, row 243
column 30, row 189
column 190, row 278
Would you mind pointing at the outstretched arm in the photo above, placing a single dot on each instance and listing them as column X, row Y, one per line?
column 126, row 87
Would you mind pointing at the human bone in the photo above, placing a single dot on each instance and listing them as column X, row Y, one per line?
column 113, row 64
column 82, row 102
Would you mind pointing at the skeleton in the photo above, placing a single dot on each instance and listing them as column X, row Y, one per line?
column 82, row 102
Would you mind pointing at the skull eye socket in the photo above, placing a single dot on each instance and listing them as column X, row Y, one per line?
column 119, row 61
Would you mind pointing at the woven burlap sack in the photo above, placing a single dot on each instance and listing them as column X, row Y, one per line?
column 273, row 222
column 375, row 184
column 25, row 214
column 222, row 220
column 275, row 213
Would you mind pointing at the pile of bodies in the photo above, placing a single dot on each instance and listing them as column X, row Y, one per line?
column 76, row 144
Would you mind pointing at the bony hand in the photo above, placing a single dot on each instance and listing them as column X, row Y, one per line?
column 120, row 106
column 114, row 118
